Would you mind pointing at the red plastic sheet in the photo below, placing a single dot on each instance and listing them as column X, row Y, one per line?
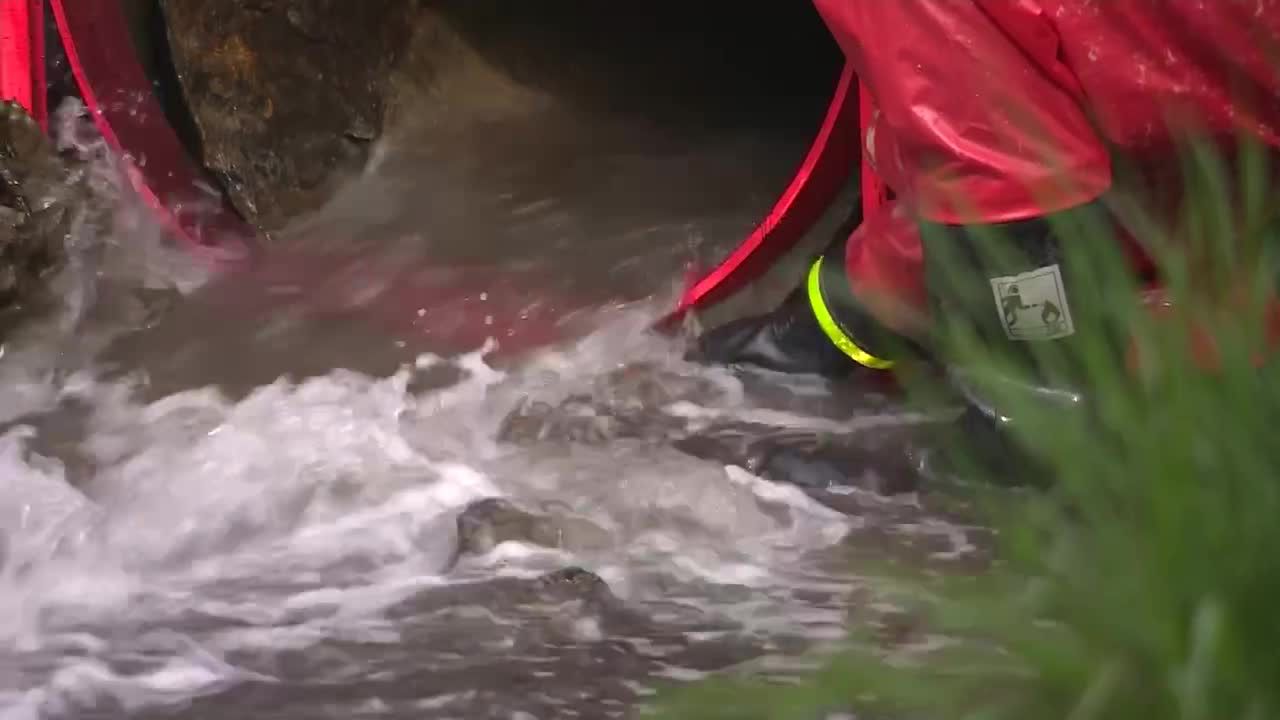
column 117, row 93
column 825, row 169
column 22, row 55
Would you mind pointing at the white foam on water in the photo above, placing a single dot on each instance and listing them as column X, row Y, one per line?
column 88, row 684
column 307, row 509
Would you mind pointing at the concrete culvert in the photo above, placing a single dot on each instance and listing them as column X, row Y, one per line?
column 480, row 116
column 288, row 97
column 620, row 143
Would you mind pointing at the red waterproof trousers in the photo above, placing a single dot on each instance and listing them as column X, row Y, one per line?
column 1002, row 110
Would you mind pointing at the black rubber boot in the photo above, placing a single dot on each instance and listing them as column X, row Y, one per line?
column 790, row 340
column 983, row 444
column 786, row 340
column 1016, row 290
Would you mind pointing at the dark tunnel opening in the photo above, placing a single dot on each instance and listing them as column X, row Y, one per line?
column 689, row 68
column 740, row 64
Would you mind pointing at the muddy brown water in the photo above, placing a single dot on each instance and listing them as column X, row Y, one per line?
column 241, row 500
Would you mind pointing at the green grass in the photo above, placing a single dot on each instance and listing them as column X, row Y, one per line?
column 1145, row 581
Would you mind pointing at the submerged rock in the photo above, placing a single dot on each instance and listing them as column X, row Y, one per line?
column 885, row 461
column 635, row 403
column 487, row 523
column 574, row 582
column 577, row 419
column 514, row 595
column 625, row 403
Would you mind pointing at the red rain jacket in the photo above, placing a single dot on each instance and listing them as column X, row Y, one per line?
column 1001, row 110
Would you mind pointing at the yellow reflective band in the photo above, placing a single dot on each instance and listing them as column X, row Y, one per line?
column 833, row 330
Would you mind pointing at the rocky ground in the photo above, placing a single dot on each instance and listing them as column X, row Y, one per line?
column 39, row 200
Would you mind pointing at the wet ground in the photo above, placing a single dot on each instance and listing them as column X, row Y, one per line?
column 256, row 496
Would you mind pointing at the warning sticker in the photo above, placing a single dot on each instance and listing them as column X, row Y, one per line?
column 1033, row 305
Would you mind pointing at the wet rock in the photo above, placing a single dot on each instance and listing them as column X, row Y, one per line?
column 508, row 595
column 884, row 461
column 286, row 95
column 637, row 386
column 487, row 523
column 37, row 206
column 628, row 402
column 577, row 419
column 634, row 403
column 574, row 583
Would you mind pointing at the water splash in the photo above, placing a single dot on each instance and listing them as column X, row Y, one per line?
column 172, row 548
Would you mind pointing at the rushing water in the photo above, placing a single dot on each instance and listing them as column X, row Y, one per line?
column 234, row 500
